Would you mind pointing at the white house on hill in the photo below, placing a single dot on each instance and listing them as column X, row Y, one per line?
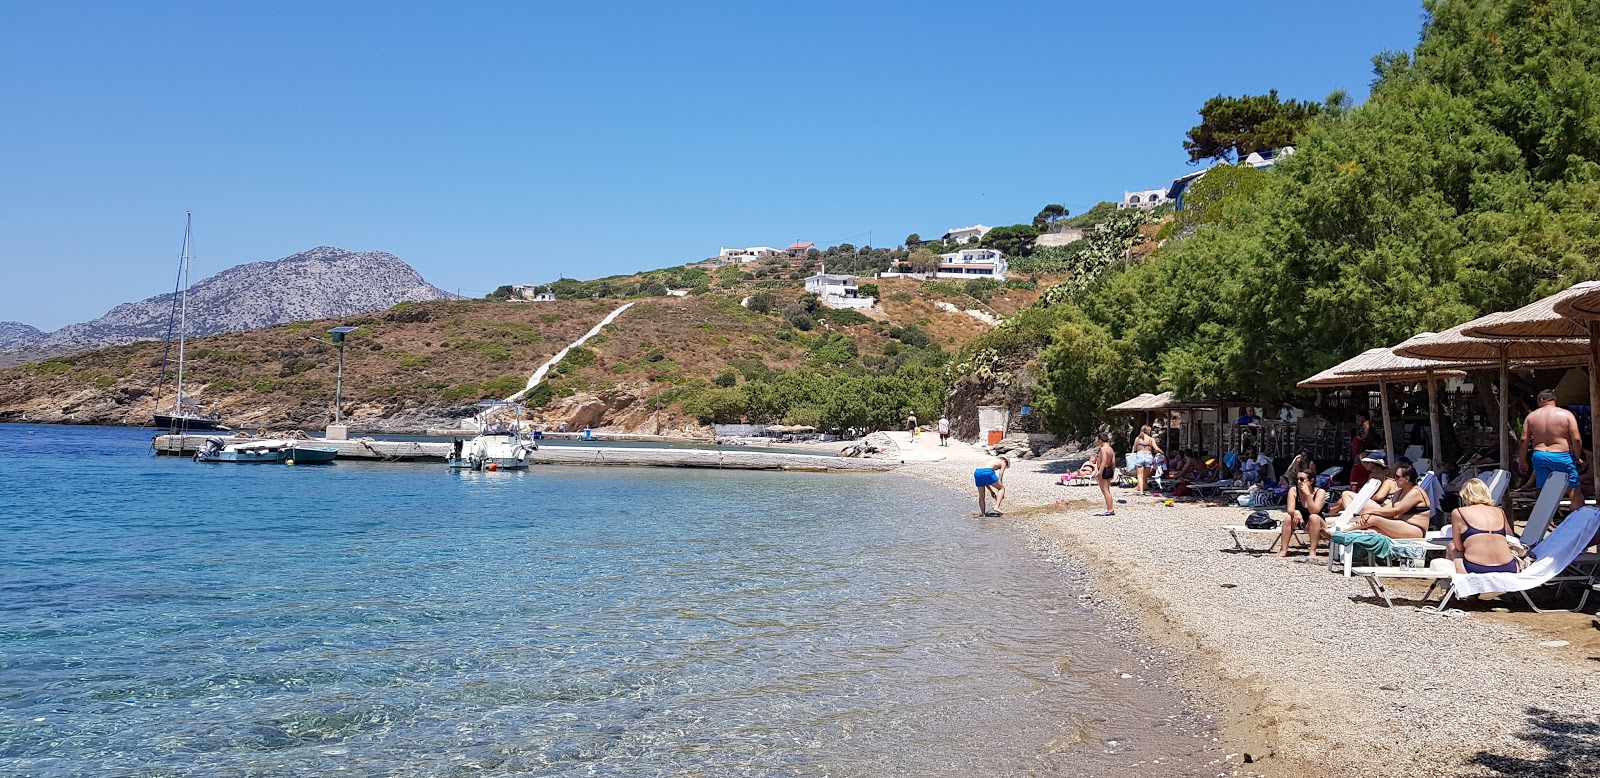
column 749, row 254
column 973, row 263
column 837, row 291
column 1144, row 198
column 967, row 234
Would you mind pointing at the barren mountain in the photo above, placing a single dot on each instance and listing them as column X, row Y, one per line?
column 16, row 335
column 322, row 283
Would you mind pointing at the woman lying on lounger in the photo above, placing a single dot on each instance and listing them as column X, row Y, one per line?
column 1478, row 543
column 1406, row 513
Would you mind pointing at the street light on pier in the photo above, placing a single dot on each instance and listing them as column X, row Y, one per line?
column 337, row 430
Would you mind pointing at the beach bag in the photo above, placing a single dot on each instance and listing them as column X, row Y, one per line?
column 1260, row 520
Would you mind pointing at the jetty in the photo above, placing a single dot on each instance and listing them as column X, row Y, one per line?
column 367, row 449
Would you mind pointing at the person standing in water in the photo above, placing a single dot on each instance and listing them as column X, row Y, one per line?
column 991, row 481
column 944, row 431
column 1105, row 468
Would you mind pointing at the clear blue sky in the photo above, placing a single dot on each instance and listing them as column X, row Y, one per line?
column 489, row 143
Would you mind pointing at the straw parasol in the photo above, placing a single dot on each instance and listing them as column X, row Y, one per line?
column 1573, row 313
column 1455, row 345
column 1134, row 405
column 1382, row 366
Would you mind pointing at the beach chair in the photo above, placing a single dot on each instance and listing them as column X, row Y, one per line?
column 1412, row 453
column 1325, row 478
column 1424, row 465
column 1554, row 564
column 1544, row 510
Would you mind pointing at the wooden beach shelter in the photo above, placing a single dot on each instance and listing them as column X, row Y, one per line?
column 1382, row 366
column 1574, row 313
column 1455, row 345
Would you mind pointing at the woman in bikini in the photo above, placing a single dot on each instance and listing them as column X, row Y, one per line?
column 1106, row 468
column 1306, row 503
column 1406, row 514
column 1143, row 458
column 1478, row 543
column 1373, row 465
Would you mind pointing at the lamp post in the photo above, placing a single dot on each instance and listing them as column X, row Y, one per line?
column 337, row 430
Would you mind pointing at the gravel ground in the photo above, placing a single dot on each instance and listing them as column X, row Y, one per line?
column 1314, row 674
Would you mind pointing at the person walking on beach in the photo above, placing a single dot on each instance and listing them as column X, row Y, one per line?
column 944, row 431
column 1105, row 467
column 1143, row 459
column 1552, row 432
column 911, row 424
column 991, row 481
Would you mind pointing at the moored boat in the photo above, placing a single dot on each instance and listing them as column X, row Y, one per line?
column 500, row 445
column 302, row 454
column 246, row 451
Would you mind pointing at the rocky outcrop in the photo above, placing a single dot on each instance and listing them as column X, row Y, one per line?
column 322, row 283
column 621, row 408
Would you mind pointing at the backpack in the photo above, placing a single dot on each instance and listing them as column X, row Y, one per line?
column 1260, row 520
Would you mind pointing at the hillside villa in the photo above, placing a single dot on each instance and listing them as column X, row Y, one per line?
column 530, row 293
column 837, row 291
column 1144, row 198
column 749, row 254
column 967, row 234
column 798, row 248
column 964, row 264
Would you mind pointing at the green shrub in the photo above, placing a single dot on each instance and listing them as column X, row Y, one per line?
column 844, row 317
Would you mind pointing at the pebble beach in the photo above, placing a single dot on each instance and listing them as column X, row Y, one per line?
column 1312, row 673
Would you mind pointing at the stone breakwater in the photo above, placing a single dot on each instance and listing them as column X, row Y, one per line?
column 1315, row 675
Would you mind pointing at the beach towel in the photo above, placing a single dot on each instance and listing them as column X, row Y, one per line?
column 1374, row 543
column 1551, row 557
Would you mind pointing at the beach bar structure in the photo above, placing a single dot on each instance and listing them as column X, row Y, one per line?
column 1382, row 366
column 1454, row 345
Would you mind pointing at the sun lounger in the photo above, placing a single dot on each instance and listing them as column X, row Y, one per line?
column 1498, row 482
column 1556, row 561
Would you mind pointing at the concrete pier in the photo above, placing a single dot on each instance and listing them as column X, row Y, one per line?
column 413, row 451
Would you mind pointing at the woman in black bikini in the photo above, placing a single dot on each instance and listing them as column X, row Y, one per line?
column 1478, row 543
column 1306, row 503
column 1406, row 514
column 1106, row 469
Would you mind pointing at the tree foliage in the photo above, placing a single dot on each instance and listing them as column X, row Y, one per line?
column 1231, row 128
column 1469, row 182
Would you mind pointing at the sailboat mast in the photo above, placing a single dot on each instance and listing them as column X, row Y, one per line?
column 183, row 305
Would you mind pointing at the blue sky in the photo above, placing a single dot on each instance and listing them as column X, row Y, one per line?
column 489, row 143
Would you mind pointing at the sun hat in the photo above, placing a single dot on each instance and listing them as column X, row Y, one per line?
column 1376, row 458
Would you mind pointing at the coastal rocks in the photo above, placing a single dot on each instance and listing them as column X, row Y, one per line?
column 621, row 408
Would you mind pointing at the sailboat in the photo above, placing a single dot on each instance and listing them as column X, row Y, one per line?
column 185, row 413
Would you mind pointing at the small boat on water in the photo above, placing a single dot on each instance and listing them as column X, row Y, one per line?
column 288, row 451
column 500, row 445
column 247, row 451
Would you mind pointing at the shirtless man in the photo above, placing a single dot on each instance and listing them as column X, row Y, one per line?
column 991, row 480
column 1552, row 432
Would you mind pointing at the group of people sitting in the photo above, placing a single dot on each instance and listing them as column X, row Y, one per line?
column 1401, row 509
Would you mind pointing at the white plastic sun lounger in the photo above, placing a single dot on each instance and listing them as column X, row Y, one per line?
column 1553, row 564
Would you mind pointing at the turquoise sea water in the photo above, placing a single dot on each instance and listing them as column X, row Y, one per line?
column 163, row 617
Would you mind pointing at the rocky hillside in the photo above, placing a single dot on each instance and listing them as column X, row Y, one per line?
column 657, row 369
column 16, row 335
column 322, row 283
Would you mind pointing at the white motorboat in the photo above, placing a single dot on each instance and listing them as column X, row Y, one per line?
column 246, row 451
column 500, row 445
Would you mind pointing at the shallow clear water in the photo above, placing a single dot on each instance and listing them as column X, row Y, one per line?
column 162, row 617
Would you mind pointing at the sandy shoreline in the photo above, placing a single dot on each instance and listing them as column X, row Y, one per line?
column 1311, row 674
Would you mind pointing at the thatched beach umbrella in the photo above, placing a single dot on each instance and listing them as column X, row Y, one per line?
column 1454, row 345
column 1382, row 366
column 1134, row 405
column 1574, row 313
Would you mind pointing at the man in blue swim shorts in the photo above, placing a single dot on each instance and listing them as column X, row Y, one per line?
column 1552, row 432
column 991, row 480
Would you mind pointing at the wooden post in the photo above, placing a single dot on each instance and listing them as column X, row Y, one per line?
column 1594, row 394
column 1222, row 440
column 1433, row 421
column 1508, row 446
column 1388, row 430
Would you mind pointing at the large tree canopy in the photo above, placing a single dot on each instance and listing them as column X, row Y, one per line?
column 1231, row 128
column 1469, row 182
